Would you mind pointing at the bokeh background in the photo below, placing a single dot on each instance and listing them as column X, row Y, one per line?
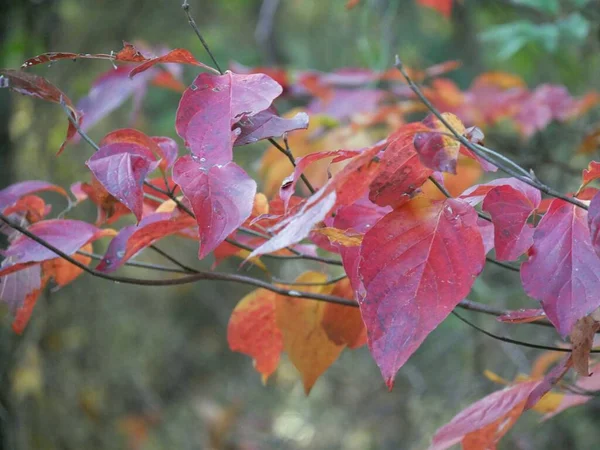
column 107, row 366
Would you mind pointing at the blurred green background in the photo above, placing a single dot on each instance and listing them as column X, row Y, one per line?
column 107, row 366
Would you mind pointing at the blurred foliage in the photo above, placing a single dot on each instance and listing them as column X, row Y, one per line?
column 112, row 366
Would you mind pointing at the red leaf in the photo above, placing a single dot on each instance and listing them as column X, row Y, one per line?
column 509, row 210
column 417, row 264
column 179, row 55
column 31, row 207
column 549, row 380
column 66, row 235
column 10, row 195
column 483, row 424
column 444, row 7
column 221, row 198
column 563, row 271
column 36, row 86
column 212, row 104
column 121, row 167
column 267, row 124
column 476, row 194
column 402, row 172
column 437, row 148
column 132, row 238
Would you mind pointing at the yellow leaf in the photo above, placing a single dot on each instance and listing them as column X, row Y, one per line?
column 335, row 235
column 304, row 339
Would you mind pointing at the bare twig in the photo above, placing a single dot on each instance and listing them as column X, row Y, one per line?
column 186, row 9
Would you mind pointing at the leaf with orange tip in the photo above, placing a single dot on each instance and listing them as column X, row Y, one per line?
column 30, row 207
column 11, row 194
column 253, row 330
column 402, row 172
column 482, row 425
column 304, row 339
column 437, row 148
column 131, row 239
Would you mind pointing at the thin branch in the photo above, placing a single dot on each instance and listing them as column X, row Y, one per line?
column 173, row 260
column 515, row 341
column 138, row 264
column 186, row 8
column 530, row 179
column 308, row 283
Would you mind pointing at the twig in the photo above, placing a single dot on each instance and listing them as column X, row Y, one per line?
column 529, row 179
column 186, row 8
column 514, row 341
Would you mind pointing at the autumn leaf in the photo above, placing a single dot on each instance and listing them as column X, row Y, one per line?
column 562, row 271
column 212, row 104
column 62, row 271
column 267, row 124
column 342, row 324
column 304, row 339
column 482, row 425
column 38, row 87
column 133, row 238
column 253, row 330
column 437, row 148
column 510, row 209
column 402, row 173
column 11, row 194
column 417, row 264
column 121, row 165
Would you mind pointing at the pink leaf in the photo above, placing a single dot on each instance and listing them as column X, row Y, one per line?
column 418, row 263
column 10, row 195
column 563, row 271
column 132, row 238
column 510, row 209
column 483, row 424
column 221, row 198
column 267, row 124
column 66, row 235
column 168, row 150
column 122, row 168
column 212, row 104
column 109, row 91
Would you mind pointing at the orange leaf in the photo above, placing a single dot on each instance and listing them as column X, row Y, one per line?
column 444, row 7
column 342, row 324
column 63, row 271
column 253, row 330
column 304, row 339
